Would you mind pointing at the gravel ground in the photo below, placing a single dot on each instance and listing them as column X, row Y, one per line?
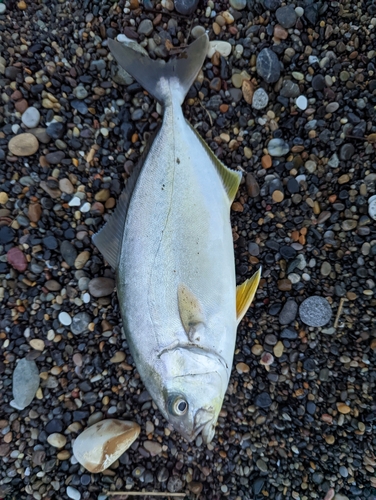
column 290, row 99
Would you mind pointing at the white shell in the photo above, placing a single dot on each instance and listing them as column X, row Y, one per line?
column 100, row 445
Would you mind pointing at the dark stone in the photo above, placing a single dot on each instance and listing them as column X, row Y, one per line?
column 289, row 334
column 50, row 242
column 311, row 407
column 286, row 16
column 56, row 130
column 268, row 66
column 272, row 4
column 309, row 365
column 80, row 106
column 263, row 400
column 6, row 235
column 185, row 7
column 55, row 157
column 347, row 151
column 289, row 312
column 68, row 252
column 292, row 186
column 287, row 252
column 318, row 82
column 54, row 425
column 258, row 485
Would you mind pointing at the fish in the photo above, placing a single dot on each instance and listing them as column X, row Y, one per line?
column 170, row 243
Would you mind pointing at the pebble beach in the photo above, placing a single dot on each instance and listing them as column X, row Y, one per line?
column 287, row 96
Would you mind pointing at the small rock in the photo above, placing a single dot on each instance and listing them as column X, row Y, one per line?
column 17, row 259
column 315, row 311
column 346, row 152
column 153, row 448
column 56, row 130
column 260, row 99
column 278, row 147
column 25, row 383
column 55, row 157
column 73, row 493
column 23, row 145
column 289, row 312
column 186, row 7
column 57, row 440
column 65, row 319
column 253, row 187
column 100, row 445
column 31, row 117
column 286, row 16
column 343, row 408
column 222, row 47
column 268, row 66
column 68, row 252
column 80, row 323
column 145, row 27
column 34, row 212
column 263, row 400
column 81, row 259
column 290, row 89
column 238, row 4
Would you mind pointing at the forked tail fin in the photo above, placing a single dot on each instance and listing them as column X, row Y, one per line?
column 159, row 77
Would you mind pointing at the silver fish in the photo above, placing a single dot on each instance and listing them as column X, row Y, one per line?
column 170, row 242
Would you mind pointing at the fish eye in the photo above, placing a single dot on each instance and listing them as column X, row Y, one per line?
column 178, row 406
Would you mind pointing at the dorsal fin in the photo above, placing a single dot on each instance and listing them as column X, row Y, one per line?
column 230, row 178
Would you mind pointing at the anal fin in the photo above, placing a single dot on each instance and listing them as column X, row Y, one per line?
column 245, row 294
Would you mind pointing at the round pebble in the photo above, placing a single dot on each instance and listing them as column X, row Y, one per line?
column 315, row 311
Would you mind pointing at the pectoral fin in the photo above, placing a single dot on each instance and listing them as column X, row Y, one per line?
column 245, row 293
column 191, row 313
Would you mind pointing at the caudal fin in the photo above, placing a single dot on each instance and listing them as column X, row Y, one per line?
column 158, row 77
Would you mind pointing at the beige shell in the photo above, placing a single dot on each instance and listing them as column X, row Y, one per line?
column 23, row 145
column 101, row 444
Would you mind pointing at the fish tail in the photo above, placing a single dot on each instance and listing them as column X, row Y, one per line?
column 158, row 77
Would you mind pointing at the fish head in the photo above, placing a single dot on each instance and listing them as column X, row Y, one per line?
column 195, row 383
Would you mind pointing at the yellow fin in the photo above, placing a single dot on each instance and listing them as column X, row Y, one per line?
column 190, row 310
column 230, row 178
column 245, row 293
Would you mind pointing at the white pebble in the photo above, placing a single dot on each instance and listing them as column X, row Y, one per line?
column 73, row 493
column 15, row 126
column 299, row 11
column 313, row 59
column 65, row 319
column 3, row 8
column 302, row 102
column 224, row 48
column 85, row 207
column 306, row 277
column 75, row 202
column 86, row 298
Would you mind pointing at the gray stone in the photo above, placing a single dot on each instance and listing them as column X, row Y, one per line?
column 260, row 99
column 25, row 383
column 238, row 4
column 333, row 161
column 80, row 323
column 286, row 16
column 98, row 65
column 315, row 311
column 68, row 252
column 31, row 117
column 288, row 313
column 80, row 92
column 263, row 400
column 290, row 89
column 145, row 27
column 347, row 151
column 3, row 8
column 278, row 147
column 101, row 287
column 268, row 66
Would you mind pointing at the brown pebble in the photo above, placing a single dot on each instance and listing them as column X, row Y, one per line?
column 242, row 368
column 21, row 105
column 23, row 145
column 284, row 285
column 248, row 90
column 3, row 198
column 343, row 408
column 253, row 187
column 22, row 5
column 34, row 212
column 237, row 207
column 102, row 195
column 280, row 32
column 278, row 196
column 266, row 161
column 16, row 95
